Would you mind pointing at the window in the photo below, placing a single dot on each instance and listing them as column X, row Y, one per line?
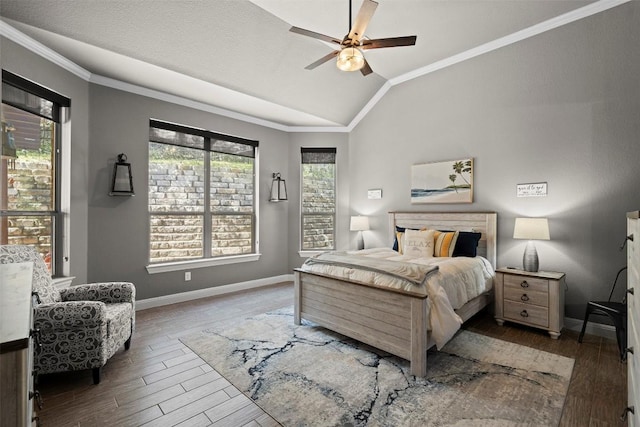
column 30, row 212
column 201, row 194
column 318, row 198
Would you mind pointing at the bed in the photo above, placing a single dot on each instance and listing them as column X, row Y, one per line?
column 391, row 319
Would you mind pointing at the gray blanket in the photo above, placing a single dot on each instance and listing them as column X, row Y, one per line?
column 414, row 273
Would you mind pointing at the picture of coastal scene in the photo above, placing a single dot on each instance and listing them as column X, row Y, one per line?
column 442, row 182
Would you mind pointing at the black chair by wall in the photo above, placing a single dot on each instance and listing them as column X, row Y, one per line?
column 617, row 312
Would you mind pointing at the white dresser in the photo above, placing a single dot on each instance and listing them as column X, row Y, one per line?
column 16, row 346
column 633, row 319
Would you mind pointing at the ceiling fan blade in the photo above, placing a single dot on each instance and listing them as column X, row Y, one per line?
column 366, row 70
column 322, row 60
column 315, row 35
column 389, row 42
column 362, row 20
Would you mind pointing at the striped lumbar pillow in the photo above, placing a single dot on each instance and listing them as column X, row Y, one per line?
column 445, row 242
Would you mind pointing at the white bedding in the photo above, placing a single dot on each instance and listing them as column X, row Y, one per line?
column 457, row 281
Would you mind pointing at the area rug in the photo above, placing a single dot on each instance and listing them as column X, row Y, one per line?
column 308, row 376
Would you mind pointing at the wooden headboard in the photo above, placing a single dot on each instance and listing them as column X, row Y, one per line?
column 483, row 222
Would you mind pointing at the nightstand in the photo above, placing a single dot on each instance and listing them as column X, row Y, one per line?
column 532, row 299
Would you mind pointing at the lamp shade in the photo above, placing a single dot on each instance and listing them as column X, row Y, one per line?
column 359, row 223
column 531, row 229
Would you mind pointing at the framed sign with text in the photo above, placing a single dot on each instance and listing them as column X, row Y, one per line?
column 532, row 189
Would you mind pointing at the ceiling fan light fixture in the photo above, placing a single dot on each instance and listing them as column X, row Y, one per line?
column 350, row 58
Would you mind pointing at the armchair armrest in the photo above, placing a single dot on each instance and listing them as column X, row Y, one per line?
column 107, row 292
column 69, row 315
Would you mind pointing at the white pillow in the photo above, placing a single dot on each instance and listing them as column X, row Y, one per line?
column 418, row 244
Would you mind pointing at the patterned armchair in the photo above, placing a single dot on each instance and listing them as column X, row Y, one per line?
column 81, row 327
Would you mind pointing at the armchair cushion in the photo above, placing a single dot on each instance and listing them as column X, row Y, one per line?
column 67, row 315
column 110, row 292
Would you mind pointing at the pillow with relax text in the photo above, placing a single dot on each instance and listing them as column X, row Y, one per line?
column 418, row 244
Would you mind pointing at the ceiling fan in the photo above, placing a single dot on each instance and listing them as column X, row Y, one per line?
column 349, row 54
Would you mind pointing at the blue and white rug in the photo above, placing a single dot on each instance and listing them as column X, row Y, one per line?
column 309, row 376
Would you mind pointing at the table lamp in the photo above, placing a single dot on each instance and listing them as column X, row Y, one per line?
column 531, row 229
column 360, row 223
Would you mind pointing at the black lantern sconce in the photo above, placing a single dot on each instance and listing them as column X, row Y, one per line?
column 278, row 188
column 122, row 184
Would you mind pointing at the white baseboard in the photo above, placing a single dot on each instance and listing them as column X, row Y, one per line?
column 606, row 331
column 209, row 292
column 599, row 329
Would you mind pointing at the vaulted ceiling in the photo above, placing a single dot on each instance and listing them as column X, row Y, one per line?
column 239, row 55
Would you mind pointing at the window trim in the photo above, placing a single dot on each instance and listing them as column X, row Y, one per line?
column 207, row 259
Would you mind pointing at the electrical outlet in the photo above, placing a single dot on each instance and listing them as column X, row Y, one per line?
column 187, row 276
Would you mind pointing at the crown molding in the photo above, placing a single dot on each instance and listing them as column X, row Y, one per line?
column 38, row 48
column 27, row 42
column 174, row 99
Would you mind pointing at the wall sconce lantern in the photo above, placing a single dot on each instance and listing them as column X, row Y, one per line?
column 278, row 188
column 122, row 184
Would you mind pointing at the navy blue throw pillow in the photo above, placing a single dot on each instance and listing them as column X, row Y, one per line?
column 467, row 244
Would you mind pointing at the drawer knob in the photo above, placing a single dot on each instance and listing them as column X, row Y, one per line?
column 35, row 333
column 630, row 291
column 629, row 237
column 524, row 284
column 524, row 313
column 625, row 413
column 38, row 397
column 524, row 297
column 35, row 294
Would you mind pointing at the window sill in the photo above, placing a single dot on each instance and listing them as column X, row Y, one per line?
column 62, row 282
column 200, row 263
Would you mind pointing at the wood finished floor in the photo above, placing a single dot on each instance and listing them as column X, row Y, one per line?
column 160, row 382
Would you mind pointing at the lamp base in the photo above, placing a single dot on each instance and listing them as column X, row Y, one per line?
column 530, row 258
column 360, row 241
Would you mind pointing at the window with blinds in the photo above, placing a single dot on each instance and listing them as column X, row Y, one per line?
column 318, row 213
column 30, row 185
column 202, row 194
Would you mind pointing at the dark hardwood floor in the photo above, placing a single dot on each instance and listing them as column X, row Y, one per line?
column 161, row 382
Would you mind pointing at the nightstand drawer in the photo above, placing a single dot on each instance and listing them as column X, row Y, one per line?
column 527, row 295
column 526, row 313
column 528, row 284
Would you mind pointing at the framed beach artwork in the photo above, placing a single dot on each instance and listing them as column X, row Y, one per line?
column 442, row 182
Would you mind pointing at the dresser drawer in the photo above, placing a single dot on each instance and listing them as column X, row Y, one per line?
column 526, row 313
column 633, row 372
column 527, row 295
column 528, row 284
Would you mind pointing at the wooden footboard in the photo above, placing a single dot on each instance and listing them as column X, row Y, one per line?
column 390, row 320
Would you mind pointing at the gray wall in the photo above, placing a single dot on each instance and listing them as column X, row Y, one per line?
column 561, row 108
column 20, row 61
column 119, row 226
